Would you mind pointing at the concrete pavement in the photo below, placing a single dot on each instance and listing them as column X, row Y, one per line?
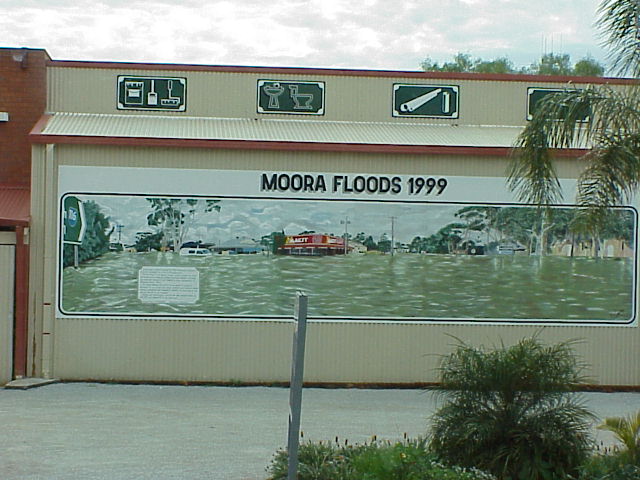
column 102, row 431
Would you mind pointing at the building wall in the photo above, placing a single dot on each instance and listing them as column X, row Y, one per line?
column 350, row 96
column 23, row 97
column 200, row 350
column 7, row 269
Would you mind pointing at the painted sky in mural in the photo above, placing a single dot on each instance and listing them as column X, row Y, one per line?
column 250, row 220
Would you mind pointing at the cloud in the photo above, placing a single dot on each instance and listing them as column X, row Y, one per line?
column 307, row 33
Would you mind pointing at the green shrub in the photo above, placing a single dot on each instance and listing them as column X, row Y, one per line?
column 407, row 460
column 511, row 411
column 316, row 461
column 609, row 467
column 626, row 431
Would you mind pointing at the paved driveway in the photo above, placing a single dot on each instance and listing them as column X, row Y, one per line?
column 97, row 431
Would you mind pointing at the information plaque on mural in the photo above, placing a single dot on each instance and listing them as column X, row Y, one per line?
column 224, row 244
column 152, row 93
column 168, row 285
column 300, row 98
column 428, row 101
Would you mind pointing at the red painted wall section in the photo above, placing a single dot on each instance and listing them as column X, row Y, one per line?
column 23, row 93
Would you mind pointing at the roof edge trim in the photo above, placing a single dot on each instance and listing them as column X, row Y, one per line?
column 504, row 77
column 39, row 138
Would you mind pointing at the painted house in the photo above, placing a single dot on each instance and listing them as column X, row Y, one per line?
column 315, row 245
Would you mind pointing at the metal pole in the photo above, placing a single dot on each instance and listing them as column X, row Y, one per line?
column 295, row 388
column 346, row 222
column 76, row 257
column 393, row 219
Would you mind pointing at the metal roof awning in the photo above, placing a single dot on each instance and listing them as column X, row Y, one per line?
column 283, row 134
column 14, row 205
column 147, row 130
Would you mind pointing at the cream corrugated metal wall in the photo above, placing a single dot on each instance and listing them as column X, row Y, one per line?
column 7, row 272
column 348, row 98
column 42, row 259
column 256, row 351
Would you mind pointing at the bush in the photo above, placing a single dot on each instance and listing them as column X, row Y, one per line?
column 626, row 431
column 407, row 460
column 609, row 467
column 317, row 461
column 511, row 411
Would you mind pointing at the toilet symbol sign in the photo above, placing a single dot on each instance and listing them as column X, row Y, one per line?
column 276, row 96
column 430, row 101
column 152, row 93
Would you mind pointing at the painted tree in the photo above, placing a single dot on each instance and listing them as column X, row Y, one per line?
column 175, row 216
column 96, row 237
column 147, row 241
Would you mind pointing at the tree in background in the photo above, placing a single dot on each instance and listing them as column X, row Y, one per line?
column 549, row 64
column 588, row 67
column 611, row 133
column 560, row 64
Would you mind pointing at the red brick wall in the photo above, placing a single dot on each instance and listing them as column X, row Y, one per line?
column 23, row 95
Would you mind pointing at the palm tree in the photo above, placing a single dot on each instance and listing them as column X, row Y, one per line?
column 611, row 132
column 511, row 411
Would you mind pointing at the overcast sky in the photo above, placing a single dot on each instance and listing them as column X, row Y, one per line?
column 370, row 34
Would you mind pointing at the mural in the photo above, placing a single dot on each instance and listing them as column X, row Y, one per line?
column 358, row 259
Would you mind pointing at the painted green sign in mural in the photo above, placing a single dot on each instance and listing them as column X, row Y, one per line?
column 437, row 101
column 73, row 224
column 152, row 93
column 301, row 98
column 537, row 95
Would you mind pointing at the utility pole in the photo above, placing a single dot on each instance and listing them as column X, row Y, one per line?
column 393, row 220
column 119, row 228
column 346, row 222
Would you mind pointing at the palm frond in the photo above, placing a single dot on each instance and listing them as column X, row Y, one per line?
column 559, row 122
column 531, row 173
column 619, row 22
column 612, row 174
column 627, row 431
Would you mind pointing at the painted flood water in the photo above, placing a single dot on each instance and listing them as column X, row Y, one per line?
column 369, row 286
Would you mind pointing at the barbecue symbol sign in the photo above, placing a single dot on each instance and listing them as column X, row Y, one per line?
column 152, row 93
column 291, row 97
column 430, row 101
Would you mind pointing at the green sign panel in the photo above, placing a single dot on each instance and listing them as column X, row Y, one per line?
column 536, row 95
column 301, row 98
column 73, row 222
column 427, row 101
column 152, row 93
